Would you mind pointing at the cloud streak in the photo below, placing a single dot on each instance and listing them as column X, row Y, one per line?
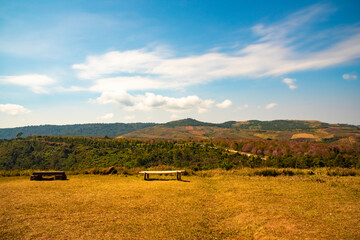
column 270, row 106
column 290, row 82
column 348, row 76
column 274, row 53
column 151, row 101
column 225, row 104
column 13, row 109
column 36, row 82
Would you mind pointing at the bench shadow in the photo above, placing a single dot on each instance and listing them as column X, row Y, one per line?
column 165, row 180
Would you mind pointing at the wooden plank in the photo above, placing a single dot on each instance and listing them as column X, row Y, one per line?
column 147, row 173
column 49, row 173
column 162, row 172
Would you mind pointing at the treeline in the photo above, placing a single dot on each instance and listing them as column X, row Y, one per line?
column 196, row 123
column 275, row 125
column 76, row 153
column 86, row 130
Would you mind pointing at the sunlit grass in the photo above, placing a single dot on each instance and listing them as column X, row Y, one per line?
column 215, row 206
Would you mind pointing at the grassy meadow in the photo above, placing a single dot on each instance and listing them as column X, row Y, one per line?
column 206, row 206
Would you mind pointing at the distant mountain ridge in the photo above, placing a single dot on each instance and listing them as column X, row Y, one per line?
column 193, row 129
column 193, row 122
column 85, row 130
column 275, row 125
column 253, row 129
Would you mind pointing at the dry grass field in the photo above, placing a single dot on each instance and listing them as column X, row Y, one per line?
column 303, row 135
column 212, row 206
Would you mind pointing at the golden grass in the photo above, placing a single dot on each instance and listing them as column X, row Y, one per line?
column 323, row 134
column 302, row 135
column 266, row 135
column 199, row 133
column 219, row 206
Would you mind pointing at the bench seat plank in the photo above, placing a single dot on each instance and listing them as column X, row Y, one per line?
column 162, row 172
column 147, row 173
column 49, row 173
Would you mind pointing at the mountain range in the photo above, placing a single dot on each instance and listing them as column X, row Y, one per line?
column 192, row 129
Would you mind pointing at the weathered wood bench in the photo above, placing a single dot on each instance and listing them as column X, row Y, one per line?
column 147, row 173
column 59, row 175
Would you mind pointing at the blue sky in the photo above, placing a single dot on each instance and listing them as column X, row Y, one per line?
column 65, row 62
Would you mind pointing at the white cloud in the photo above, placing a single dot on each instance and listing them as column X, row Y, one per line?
column 107, row 116
column 225, row 104
column 290, row 82
column 271, row 105
column 13, row 109
column 118, row 62
column 348, row 76
column 36, row 82
column 245, row 106
column 150, row 101
column 274, row 53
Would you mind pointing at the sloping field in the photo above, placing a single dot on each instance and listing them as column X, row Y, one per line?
column 276, row 130
column 208, row 207
column 185, row 132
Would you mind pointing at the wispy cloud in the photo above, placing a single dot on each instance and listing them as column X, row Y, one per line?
column 349, row 76
column 151, row 101
column 36, row 82
column 225, row 104
column 245, row 106
column 290, row 82
column 276, row 52
column 270, row 106
column 13, row 109
column 107, row 116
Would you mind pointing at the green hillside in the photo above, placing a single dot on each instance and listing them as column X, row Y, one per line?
column 76, row 153
column 193, row 129
column 253, row 129
column 91, row 130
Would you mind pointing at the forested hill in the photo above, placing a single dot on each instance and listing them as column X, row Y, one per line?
column 90, row 130
column 76, row 153
column 283, row 130
column 275, row 125
column 190, row 128
column 194, row 123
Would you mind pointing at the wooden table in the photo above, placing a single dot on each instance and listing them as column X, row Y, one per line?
column 147, row 173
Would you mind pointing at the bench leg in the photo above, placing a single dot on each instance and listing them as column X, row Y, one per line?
column 146, row 176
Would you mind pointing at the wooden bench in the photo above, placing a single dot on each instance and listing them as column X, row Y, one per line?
column 147, row 173
column 59, row 175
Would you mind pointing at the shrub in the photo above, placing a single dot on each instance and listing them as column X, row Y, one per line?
column 267, row 172
column 341, row 172
column 287, row 172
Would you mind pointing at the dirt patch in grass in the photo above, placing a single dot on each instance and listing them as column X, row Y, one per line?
column 213, row 207
column 199, row 133
column 266, row 135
